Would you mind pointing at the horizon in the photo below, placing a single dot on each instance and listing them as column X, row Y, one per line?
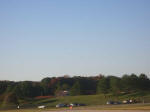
column 83, row 76
column 53, row 38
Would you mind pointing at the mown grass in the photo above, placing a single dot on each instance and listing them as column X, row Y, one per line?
column 122, row 107
column 90, row 99
column 86, row 99
column 97, row 101
column 103, row 107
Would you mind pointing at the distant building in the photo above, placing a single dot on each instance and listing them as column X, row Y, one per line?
column 62, row 93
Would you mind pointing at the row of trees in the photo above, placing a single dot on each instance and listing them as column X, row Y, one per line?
column 126, row 84
column 75, row 85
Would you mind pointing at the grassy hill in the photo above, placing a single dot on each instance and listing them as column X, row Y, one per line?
column 89, row 100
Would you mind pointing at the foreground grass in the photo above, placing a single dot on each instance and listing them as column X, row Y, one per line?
column 92, row 101
column 122, row 107
column 103, row 107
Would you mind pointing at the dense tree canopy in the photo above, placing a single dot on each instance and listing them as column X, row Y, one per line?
column 76, row 89
column 103, row 85
column 75, row 85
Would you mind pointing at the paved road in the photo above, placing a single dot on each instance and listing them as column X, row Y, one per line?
column 99, row 111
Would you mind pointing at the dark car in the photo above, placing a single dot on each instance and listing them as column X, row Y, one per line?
column 77, row 104
column 110, row 102
column 74, row 104
column 61, row 105
column 81, row 104
column 117, row 102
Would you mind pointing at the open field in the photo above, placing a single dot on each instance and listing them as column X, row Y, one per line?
column 93, row 102
column 99, row 111
column 82, row 111
column 102, row 108
column 78, row 111
column 89, row 100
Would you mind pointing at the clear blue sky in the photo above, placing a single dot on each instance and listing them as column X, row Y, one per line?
column 43, row 38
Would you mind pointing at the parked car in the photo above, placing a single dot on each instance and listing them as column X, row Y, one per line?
column 109, row 102
column 117, row 102
column 61, row 105
column 41, row 107
column 81, row 104
column 74, row 104
column 113, row 102
column 77, row 104
column 125, row 102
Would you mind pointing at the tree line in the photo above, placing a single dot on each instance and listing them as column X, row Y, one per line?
column 10, row 91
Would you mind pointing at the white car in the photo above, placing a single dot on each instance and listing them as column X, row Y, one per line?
column 41, row 107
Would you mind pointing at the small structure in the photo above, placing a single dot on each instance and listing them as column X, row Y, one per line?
column 62, row 93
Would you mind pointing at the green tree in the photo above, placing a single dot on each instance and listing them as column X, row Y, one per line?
column 3, row 86
column 65, row 87
column 76, row 89
column 144, row 82
column 130, row 83
column 115, row 84
column 45, row 84
column 18, row 92
column 10, row 98
column 103, row 85
column 27, row 89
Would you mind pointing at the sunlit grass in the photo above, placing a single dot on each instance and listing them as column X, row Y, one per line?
column 92, row 101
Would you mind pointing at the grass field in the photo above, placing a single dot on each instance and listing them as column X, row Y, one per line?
column 96, row 102
column 90, row 100
column 103, row 108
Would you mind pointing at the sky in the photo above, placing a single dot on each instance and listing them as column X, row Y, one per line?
column 51, row 38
